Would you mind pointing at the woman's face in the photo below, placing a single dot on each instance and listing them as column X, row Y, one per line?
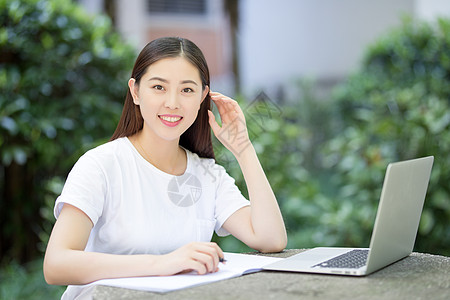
column 169, row 95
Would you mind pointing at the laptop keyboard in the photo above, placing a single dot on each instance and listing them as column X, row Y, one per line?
column 353, row 259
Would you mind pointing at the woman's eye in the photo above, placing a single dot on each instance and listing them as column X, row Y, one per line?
column 158, row 87
column 187, row 90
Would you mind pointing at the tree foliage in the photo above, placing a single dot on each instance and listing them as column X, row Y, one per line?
column 62, row 82
column 395, row 107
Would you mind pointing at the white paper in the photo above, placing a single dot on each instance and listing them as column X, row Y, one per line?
column 236, row 265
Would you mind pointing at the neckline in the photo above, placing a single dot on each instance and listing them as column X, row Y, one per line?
column 153, row 167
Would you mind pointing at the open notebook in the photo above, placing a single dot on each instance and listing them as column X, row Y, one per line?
column 236, row 265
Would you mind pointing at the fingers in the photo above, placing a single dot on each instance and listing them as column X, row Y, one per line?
column 219, row 96
column 212, row 259
column 224, row 103
column 229, row 109
column 233, row 133
column 199, row 257
column 212, row 122
column 207, row 255
column 201, row 263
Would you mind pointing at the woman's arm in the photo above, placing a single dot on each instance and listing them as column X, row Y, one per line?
column 261, row 225
column 66, row 262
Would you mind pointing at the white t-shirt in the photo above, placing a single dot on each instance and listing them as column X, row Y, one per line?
column 139, row 209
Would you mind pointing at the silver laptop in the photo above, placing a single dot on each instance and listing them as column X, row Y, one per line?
column 394, row 233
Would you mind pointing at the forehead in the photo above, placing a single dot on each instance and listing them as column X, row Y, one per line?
column 174, row 68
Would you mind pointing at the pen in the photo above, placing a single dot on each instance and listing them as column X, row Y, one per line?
column 222, row 260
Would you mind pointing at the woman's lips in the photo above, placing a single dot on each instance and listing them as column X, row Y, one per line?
column 170, row 120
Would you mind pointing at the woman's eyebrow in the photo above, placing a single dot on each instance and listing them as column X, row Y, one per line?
column 188, row 81
column 159, row 79
column 167, row 81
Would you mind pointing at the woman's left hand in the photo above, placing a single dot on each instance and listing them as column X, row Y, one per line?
column 233, row 133
column 259, row 225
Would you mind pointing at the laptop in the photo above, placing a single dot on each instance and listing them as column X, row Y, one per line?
column 394, row 233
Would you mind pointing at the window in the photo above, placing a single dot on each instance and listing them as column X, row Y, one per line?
column 190, row 7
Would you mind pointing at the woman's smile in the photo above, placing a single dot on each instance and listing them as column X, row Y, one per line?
column 170, row 120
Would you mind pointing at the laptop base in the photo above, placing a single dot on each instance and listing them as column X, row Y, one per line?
column 304, row 262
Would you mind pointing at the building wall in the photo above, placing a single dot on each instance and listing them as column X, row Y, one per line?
column 280, row 41
column 431, row 9
column 321, row 39
column 210, row 32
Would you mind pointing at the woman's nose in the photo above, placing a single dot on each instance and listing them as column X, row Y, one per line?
column 172, row 101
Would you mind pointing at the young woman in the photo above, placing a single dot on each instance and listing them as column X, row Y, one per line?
column 147, row 202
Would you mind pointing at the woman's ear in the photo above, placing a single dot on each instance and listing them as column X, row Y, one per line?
column 205, row 92
column 132, row 85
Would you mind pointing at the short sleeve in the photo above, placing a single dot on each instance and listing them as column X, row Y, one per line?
column 85, row 188
column 229, row 199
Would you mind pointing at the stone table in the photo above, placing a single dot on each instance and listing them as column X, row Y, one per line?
column 418, row 276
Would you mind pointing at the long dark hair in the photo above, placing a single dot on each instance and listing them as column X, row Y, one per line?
column 197, row 138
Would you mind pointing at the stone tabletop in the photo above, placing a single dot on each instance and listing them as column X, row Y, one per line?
column 418, row 276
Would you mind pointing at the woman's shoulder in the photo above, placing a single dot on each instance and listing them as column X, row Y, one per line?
column 108, row 151
column 196, row 160
column 108, row 147
column 205, row 166
column 104, row 159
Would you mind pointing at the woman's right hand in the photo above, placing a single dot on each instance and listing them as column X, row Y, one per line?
column 66, row 262
column 201, row 257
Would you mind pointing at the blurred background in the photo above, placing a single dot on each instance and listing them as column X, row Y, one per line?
column 332, row 91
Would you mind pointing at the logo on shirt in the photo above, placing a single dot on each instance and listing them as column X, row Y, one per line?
column 184, row 190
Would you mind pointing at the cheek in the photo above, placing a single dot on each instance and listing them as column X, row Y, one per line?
column 147, row 109
column 194, row 106
column 193, row 112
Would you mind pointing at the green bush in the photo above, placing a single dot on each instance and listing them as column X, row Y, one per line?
column 326, row 160
column 27, row 282
column 396, row 108
column 62, row 84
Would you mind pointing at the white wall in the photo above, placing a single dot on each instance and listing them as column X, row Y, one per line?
column 325, row 39
column 92, row 6
column 132, row 22
column 431, row 9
